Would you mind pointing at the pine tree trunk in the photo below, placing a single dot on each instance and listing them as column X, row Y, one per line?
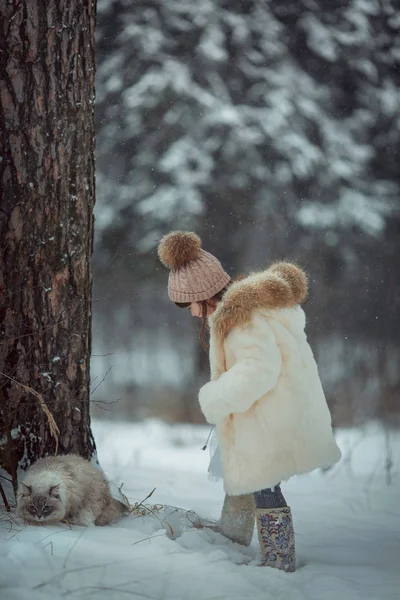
column 47, row 193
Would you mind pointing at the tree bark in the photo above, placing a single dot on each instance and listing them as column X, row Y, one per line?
column 47, row 195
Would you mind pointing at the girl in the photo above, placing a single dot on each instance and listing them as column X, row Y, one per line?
column 265, row 396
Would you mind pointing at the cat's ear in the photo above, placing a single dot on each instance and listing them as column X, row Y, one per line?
column 26, row 490
column 54, row 491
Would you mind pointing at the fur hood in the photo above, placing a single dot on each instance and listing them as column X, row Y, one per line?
column 283, row 285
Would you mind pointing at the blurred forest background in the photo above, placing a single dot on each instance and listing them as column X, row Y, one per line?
column 271, row 128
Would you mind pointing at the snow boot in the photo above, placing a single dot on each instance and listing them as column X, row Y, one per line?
column 276, row 538
column 237, row 519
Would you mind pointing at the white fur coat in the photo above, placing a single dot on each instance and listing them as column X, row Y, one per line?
column 265, row 396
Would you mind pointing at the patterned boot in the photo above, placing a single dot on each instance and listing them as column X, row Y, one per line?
column 237, row 518
column 276, row 538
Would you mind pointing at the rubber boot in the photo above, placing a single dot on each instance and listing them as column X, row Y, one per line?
column 276, row 538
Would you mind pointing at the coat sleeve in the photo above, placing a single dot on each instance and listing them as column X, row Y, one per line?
column 256, row 367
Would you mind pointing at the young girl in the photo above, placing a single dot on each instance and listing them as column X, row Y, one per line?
column 265, row 396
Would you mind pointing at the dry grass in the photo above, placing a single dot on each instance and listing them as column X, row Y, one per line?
column 54, row 431
column 8, row 518
column 140, row 509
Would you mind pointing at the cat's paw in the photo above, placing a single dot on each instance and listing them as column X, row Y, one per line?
column 85, row 517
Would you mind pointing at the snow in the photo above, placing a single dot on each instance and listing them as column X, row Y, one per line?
column 347, row 524
column 352, row 208
column 319, row 38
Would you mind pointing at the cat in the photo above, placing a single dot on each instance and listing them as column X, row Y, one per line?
column 67, row 488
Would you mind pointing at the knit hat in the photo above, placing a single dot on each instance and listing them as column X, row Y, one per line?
column 195, row 274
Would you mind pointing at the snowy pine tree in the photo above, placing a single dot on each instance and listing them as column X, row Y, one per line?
column 273, row 129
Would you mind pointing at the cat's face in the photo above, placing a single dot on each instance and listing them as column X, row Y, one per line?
column 39, row 505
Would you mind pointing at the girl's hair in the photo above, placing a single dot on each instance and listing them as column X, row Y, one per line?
column 204, row 304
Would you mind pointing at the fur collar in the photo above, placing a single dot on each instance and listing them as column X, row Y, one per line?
column 283, row 285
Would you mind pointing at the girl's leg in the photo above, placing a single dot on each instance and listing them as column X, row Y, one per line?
column 275, row 529
column 270, row 498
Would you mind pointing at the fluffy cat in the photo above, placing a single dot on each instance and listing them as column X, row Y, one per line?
column 67, row 487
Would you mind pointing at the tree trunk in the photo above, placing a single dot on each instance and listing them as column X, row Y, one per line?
column 46, row 227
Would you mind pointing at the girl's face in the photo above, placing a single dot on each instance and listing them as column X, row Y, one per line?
column 196, row 310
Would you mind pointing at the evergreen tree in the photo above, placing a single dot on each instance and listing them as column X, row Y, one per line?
column 46, row 224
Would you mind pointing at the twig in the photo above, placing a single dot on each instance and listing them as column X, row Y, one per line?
column 106, row 589
column 147, row 497
column 72, row 547
column 146, row 539
column 106, row 401
column 98, row 402
column 4, row 499
column 62, row 574
column 51, row 547
column 99, row 384
column 12, row 462
column 389, row 457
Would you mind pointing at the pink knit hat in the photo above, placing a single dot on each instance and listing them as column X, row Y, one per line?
column 195, row 274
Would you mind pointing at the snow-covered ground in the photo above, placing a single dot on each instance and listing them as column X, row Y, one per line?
column 347, row 524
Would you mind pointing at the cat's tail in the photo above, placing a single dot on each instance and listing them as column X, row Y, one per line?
column 113, row 511
column 120, row 506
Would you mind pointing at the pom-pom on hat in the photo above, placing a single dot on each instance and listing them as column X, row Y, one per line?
column 195, row 274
